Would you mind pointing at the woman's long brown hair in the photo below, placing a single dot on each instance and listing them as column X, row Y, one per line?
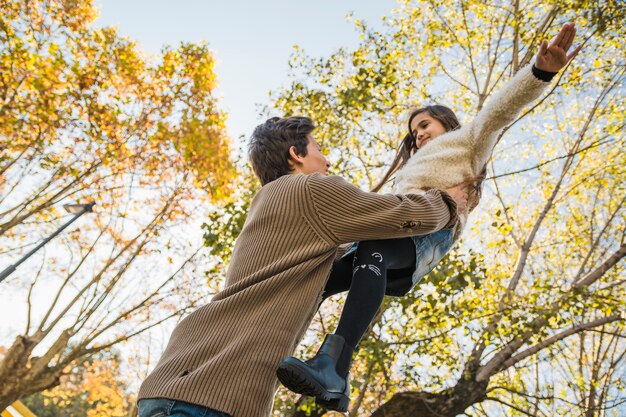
column 408, row 147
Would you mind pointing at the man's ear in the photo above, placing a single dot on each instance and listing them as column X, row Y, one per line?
column 294, row 157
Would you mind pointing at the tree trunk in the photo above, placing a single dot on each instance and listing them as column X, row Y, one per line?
column 17, row 378
column 425, row 404
column 15, row 388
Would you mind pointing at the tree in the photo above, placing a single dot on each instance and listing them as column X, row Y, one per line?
column 85, row 116
column 548, row 241
column 93, row 388
column 585, row 380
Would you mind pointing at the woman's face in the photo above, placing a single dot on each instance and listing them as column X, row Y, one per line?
column 425, row 128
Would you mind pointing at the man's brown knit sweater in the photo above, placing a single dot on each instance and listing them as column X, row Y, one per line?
column 224, row 355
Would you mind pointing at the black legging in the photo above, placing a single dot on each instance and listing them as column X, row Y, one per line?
column 376, row 267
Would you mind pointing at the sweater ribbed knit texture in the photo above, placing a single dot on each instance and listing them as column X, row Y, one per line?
column 224, row 355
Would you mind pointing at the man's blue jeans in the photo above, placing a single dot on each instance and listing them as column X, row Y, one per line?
column 162, row 407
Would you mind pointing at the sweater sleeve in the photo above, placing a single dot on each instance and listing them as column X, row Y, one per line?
column 344, row 213
column 502, row 109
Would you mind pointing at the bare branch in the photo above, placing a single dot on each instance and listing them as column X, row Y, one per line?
column 598, row 272
column 517, row 241
column 470, row 55
column 545, row 24
column 501, row 401
column 558, row 158
column 68, row 278
column 515, row 54
column 362, row 390
column 492, row 65
column 99, row 275
column 30, row 291
column 596, row 242
column 141, row 304
column 556, row 338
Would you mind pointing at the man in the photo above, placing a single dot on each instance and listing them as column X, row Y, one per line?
column 221, row 360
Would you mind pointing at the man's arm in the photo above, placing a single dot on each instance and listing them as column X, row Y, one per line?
column 343, row 213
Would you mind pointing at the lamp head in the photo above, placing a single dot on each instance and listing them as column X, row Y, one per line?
column 78, row 208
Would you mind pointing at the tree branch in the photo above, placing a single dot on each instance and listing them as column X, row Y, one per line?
column 558, row 158
column 596, row 242
column 556, row 338
column 597, row 273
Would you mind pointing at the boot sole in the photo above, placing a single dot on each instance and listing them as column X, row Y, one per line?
column 296, row 379
column 335, row 405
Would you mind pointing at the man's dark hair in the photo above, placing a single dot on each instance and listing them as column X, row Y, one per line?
column 269, row 145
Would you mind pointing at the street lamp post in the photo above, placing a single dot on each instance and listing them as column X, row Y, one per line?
column 77, row 209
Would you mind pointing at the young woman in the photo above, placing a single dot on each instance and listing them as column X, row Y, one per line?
column 436, row 153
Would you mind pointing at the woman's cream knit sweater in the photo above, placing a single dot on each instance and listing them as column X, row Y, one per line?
column 462, row 154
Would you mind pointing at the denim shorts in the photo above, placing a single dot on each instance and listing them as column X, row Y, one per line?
column 429, row 250
column 162, row 407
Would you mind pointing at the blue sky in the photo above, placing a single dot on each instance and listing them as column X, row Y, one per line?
column 252, row 40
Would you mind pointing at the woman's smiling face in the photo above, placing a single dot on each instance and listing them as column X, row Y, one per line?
column 425, row 128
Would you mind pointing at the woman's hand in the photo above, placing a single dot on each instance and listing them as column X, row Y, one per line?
column 459, row 195
column 553, row 57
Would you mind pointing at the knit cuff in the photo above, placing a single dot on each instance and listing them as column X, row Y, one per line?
column 543, row 75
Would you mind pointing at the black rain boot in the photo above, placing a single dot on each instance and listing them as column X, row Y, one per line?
column 318, row 377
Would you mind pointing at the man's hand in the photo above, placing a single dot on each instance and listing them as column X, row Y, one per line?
column 459, row 195
column 553, row 57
